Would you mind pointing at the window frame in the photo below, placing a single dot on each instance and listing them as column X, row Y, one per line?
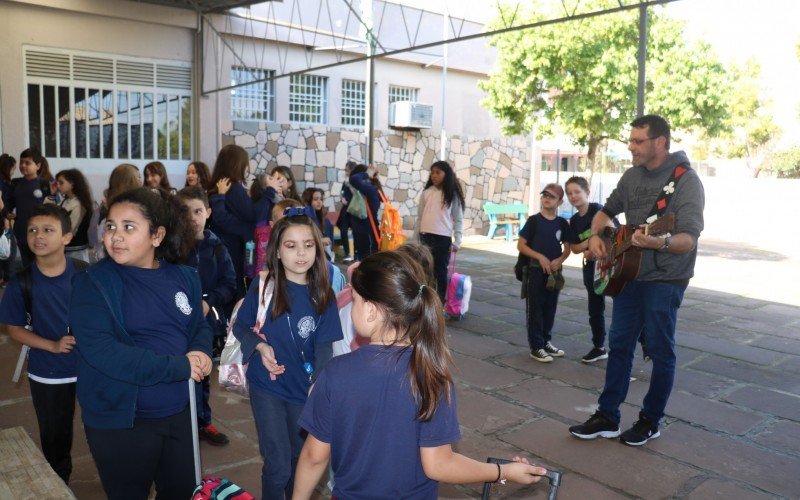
column 253, row 94
column 308, row 100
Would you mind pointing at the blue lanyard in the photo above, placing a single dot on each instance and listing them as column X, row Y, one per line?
column 308, row 367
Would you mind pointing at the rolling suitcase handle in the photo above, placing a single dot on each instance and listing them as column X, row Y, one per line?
column 553, row 476
column 195, row 432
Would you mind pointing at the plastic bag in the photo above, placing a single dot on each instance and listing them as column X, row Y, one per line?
column 5, row 245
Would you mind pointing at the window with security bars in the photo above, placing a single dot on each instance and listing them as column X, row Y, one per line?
column 308, row 99
column 256, row 101
column 107, row 107
column 403, row 94
column 353, row 103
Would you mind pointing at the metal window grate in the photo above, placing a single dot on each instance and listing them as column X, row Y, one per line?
column 354, row 103
column 93, row 69
column 173, row 77
column 135, row 73
column 308, row 99
column 403, row 94
column 46, row 64
column 254, row 102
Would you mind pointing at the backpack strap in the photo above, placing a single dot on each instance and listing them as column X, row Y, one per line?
column 25, row 278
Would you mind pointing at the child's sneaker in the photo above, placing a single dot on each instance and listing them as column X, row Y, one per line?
column 596, row 354
column 541, row 356
column 597, row 426
column 213, row 436
column 642, row 431
column 553, row 350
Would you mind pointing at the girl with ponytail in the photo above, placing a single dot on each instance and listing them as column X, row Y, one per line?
column 385, row 415
column 137, row 318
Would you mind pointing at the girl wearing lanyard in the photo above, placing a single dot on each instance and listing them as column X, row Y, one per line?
column 302, row 322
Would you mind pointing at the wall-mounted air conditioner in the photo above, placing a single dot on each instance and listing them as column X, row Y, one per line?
column 407, row 114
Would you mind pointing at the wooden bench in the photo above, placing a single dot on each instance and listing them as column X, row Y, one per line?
column 24, row 473
column 511, row 216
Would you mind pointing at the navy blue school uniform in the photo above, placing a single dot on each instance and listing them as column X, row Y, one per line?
column 580, row 231
column 343, row 222
column 233, row 220
column 363, row 236
column 52, row 376
column 218, row 282
column 25, row 194
column 302, row 341
column 547, row 238
column 133, row 328
column 362, row 406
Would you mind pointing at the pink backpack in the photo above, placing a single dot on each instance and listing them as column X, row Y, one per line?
column 261, row 240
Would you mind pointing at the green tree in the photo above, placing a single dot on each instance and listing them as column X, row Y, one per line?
column 752, row 130
column 580, row 77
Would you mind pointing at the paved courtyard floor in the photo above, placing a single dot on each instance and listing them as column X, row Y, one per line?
column 733, row 422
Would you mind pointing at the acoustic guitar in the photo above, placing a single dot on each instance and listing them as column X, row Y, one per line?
column 623, row 260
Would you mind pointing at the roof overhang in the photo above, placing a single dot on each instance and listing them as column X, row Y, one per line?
column 206, row 6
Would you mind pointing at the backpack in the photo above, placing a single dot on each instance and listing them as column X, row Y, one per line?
column 391, row 228
column 358, row 205
column 232, row 366
column 261, row 239
column 523, row 260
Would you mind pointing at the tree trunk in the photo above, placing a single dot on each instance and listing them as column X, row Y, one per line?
column 591, row 155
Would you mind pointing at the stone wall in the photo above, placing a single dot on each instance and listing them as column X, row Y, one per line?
column 490, row 169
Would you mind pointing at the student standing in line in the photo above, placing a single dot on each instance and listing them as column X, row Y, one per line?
column 7, row 165
column 218, row 282
column 440, row 219
column 197, row 174
column 52, row 365
column 385, row 414
column 137, row 317
column 26, row 193
column 76, row 199
column 155, row 176
column 367, row 184
column 544, row 239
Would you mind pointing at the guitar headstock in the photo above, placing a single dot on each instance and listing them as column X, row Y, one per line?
column 660, row 226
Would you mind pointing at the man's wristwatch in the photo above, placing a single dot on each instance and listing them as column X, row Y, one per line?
column 665, row 247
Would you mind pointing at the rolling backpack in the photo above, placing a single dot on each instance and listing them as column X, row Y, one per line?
column 459, row 291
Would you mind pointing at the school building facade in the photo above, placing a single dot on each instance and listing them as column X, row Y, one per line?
column 95, row 83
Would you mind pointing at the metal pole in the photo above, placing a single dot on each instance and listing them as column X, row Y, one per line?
column 195, row 433
column 642, row 56
column 369, row 112
column 443, row 150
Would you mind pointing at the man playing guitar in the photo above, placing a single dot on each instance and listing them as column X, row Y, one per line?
column 659, row 183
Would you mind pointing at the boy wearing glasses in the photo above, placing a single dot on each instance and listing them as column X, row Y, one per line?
column 544, row 239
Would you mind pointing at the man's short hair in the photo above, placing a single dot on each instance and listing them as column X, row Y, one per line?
column 54, row 211
column 656, row 127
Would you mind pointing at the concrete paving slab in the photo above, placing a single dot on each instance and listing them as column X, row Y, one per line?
column 765, row 400
column 634, row 471
column 782, row 435
column 477, row 346
column 487, row 414
column 581, row 375
column 730, row 458
column 701, row 383
column 483, row 374
column 780, row 344
column 746, row 372
column 729, row 349
column 716, row 489
column 710, row 414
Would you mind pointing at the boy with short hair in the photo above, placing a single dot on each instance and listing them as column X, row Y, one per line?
column 52, row 365
column 580, row 231
column 544, row 239
column 218, row 281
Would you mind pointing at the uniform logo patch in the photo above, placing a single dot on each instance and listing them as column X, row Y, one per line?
column 182, row 301
column 305, row 327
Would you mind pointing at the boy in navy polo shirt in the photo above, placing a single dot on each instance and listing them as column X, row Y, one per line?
column 544, row 239
column 218, row 278
column 52, row 365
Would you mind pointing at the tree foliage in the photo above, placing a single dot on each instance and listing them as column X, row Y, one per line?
column 752, row 130
column 580, row 77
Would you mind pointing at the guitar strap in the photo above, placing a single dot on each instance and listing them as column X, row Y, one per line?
column 660, row 206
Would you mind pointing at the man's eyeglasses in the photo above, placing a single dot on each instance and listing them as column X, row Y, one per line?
column 639, row 142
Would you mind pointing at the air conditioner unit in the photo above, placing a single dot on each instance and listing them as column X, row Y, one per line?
column 407, row 114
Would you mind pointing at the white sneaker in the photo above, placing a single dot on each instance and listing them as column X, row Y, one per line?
column 553, row 350
column 541, row 356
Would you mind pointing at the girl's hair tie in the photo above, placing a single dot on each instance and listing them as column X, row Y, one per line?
column 419, row 293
